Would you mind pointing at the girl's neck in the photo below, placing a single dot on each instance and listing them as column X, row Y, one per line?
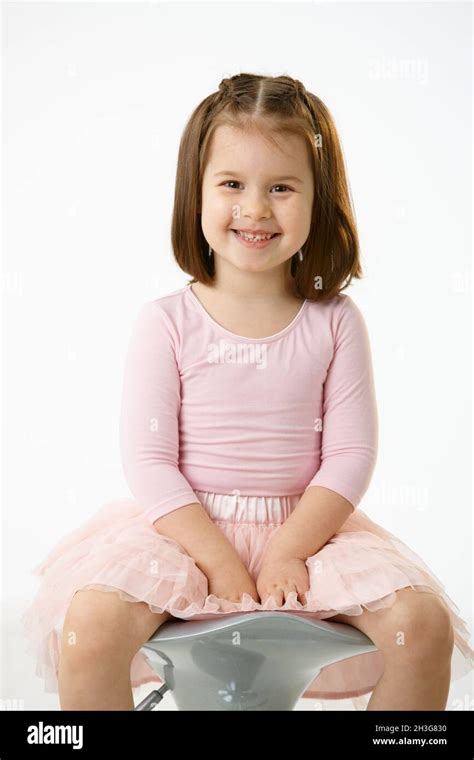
column 253, row 288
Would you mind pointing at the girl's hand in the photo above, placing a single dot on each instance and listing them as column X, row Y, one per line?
column 230, row 581
column 279, row 575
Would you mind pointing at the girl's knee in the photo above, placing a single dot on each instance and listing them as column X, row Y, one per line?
column 96, row 623
column 101, row 625
column 423, row 624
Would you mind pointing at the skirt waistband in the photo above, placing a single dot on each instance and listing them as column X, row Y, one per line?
column 244, row 508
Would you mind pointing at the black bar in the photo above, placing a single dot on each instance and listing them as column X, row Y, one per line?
column 151, row 733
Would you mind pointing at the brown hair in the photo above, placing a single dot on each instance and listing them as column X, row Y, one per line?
column 271, row 105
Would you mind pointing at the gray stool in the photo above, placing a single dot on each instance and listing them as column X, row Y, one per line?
column 246, row 661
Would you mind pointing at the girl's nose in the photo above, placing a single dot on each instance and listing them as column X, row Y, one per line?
column 255, row 206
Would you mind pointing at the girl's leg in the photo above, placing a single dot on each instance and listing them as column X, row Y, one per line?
column 100, row 636
column 416, row 639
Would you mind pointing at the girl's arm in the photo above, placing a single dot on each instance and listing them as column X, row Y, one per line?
column 192, row 527
column 349, row 442
column 318, row 515
column 149, row 415
column 149, row 443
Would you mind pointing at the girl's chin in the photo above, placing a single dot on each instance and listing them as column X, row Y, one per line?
column 251, row 263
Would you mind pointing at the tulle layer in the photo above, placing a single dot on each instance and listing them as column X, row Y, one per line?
column 117, row 550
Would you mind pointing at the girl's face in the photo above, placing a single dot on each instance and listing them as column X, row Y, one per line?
column 249, row 184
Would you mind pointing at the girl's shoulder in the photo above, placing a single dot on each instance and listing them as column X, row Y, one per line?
column 170, row 299
column 165, row 305
column 333, row 308
column 160, row 316
column 341, row 313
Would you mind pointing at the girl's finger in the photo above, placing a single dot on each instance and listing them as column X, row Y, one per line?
column 278, row 595
column 302, row 591
column 302, row 597
column 289, row 588
column 275, row 593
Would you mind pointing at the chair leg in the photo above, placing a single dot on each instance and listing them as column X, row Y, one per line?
column 153, row 699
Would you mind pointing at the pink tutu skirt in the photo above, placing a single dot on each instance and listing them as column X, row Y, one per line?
column 361, row 567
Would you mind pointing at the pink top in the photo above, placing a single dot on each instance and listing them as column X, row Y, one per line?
column 206, row 409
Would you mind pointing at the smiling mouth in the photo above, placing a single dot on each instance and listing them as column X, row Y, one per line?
column 257, row 238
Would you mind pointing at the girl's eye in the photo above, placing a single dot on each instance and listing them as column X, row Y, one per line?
column 230, row 181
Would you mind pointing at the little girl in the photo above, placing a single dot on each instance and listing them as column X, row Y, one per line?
column 249, row 434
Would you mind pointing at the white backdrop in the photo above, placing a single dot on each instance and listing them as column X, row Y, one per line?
column 95, row 99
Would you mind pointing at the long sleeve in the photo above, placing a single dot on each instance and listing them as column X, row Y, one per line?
column 350, row 417
column 149, row 416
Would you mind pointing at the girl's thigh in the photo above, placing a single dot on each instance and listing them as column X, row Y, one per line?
column 96, row 621
column 420, row 617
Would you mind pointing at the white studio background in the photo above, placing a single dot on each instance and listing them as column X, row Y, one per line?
column 95, row 97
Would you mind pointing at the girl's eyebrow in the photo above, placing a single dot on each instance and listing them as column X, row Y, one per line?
column 272, row 179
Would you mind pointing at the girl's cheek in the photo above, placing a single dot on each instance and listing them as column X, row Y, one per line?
column 222, row 202
column 217, row 209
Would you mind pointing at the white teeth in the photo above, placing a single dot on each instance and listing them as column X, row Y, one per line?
column 253, row 238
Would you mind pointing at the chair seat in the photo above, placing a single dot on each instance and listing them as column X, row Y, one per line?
column 248, row 661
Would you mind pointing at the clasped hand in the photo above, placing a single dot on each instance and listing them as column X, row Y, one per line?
column 278, row 577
